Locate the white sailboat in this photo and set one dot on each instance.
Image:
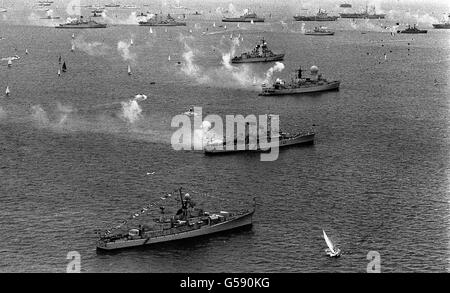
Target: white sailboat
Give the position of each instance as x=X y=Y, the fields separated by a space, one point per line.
x=131 y=42
x=168 y=59
x=59 y=72
x=9 y=62
x=151 y=31
x=26 y=51
x=2 y=8
x=73 y=36
x=73 y=48
x=129 y=70
x=332 y=250
x=7 y=92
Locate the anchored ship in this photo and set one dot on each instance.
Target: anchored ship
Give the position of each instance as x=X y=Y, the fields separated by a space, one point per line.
x=445 y=24
x=247 y=17
x=365 y=14
x=157 y=20
x=412 y=30
x=320 y=16
x=51 y=17
x=259 y=54
x=320 y=31
x=81 y=24
x=281 y=139
x=300 y=85
x=112 y=5
x=188 y=222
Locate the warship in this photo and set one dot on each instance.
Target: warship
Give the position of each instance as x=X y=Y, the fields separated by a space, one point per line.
x=412 y=30
x=445 y=24
x=300 y=85
x=157 y=20
x=188 y=222
x=81 y=24
x=247 y=17
x=281 y=139
x=112 y=5
x=259 y=54
x=51 y=17
x=364 y=15
x=320 y=31
x=320 y=16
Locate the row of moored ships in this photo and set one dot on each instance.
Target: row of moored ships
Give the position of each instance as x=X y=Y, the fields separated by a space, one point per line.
x=156 y=20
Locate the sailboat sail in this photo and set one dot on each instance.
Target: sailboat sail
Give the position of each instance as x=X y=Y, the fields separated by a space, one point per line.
x=129 y=70
x=7 y=92
x=64 y=67
x=328 y=241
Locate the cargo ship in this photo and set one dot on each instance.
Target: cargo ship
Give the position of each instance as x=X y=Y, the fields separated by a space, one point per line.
x=364 y=15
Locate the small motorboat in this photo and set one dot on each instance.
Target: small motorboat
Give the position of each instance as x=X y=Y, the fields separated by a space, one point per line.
x=332 y=250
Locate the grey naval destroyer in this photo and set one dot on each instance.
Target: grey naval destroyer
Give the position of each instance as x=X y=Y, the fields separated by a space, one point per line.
x=157 y=20
x=320 y=16
x=247 y=17
x=81 y=24
x=278 y=140
x=261 y=53
x=300 y=85
x=188 y=222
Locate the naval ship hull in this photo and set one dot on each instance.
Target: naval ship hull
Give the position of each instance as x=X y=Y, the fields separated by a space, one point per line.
x=242 y=19
x=319 y=33
x=278 y=57
x=413 y=32
x=301 y=90
x=442 y=25
x=162 y=24
x=301 y=139
x=81 y=26
x=237 y=222
x=362 y=15
x=315 y=18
